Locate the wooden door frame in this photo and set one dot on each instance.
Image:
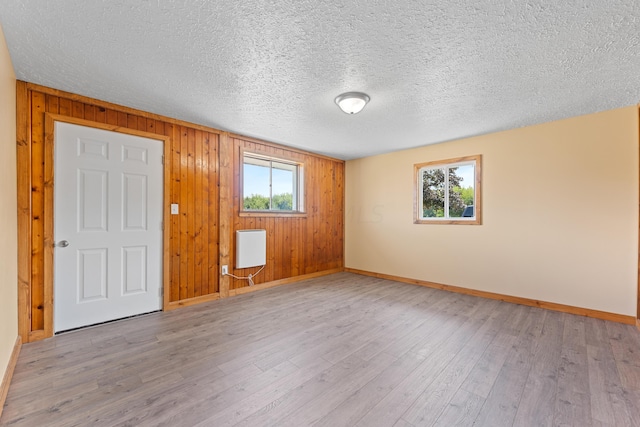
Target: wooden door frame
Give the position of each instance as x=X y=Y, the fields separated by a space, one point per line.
x=49 y=175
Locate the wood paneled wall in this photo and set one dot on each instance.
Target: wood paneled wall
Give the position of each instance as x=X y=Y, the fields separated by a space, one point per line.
x=296 y=244
x=202 y=170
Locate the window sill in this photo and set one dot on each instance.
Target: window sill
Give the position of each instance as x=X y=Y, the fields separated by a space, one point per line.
x=266 y=214
x=476 y=221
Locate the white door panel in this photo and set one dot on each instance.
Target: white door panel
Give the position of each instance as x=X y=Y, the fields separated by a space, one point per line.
x=108 y=206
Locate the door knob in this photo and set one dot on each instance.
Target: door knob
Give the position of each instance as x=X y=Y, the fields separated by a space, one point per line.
x=62 y=244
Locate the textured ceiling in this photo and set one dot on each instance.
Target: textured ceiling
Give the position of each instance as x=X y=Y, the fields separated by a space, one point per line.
x=435 y=70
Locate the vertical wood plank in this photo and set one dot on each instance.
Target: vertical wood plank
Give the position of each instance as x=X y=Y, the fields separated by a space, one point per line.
x=166 y=227
x=112 y=117
x=151 y=126
x=142 y=124
x=339 y=217
x=158 y=128
x=271 y=249
x=52 y=104
x=175 y=219
x=198 y=208
x=89 y=112
x=278 y=248
x=191 y=217
x=132 y=121
x=37 y=205
x=65 y=107
x=48 y=226
x=213 y=220
x=101 y=115
x=205 y=238
x=184 y=212
x=225 y=206
x=122 y=119
x=77 y=110
x=313 y=235
x=23 y=158
x=295 y=245
x=285 y=250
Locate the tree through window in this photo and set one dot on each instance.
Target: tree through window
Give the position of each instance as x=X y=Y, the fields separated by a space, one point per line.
x=448 y=191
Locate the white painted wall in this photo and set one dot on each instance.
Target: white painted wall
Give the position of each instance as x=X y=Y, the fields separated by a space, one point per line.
x=560 y=214
x=8 y=209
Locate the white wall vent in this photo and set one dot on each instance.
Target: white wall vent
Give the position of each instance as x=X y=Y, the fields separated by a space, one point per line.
x=251 y=248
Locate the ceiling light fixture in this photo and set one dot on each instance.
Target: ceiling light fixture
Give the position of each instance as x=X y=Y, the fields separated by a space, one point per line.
x=352 y=102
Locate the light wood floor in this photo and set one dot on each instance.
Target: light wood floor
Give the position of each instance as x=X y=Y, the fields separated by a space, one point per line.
x=343 y=350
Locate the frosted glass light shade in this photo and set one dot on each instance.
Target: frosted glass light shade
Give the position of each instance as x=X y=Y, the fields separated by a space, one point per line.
x=352 y=102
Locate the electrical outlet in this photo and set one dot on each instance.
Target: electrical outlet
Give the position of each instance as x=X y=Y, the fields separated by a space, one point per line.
x=225 y=270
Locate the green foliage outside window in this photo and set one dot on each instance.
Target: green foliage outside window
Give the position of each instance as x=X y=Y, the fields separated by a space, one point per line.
x=283 y=202
x=433 y=190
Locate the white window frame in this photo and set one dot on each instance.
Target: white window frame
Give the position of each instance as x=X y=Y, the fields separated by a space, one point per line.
x=297 y=192
x=419 y=168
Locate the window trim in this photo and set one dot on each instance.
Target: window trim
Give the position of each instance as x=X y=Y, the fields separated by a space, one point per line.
x=300 y=183
x=417 y=182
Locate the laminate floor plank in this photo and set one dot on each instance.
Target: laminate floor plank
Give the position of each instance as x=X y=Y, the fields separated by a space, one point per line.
x=608 y=401
x=503 y=401
x=625 y=352
x=244 y=408
x=339 y=350
x=342 y=373
x=325 y=403
x=462 y=410
x=359 y=403
x=573 y=403
x=429 y=405
x=538 y=402
x=483 y=375
x=213 y=400
x=437 y=357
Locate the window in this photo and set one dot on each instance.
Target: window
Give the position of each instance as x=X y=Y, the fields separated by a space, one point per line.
x=448 y=191
x=271 y=185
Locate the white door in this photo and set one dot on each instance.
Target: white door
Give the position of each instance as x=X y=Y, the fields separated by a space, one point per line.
x=107 y=225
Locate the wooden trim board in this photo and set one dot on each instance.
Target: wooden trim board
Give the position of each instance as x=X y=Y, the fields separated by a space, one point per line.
x=613 y=317
x=108 y=105
x=191 y=301
x=240 y=291
x=281 y=146
x=280 y=282
x=8 y=373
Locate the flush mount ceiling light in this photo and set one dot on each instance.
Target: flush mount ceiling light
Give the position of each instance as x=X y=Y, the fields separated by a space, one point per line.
x=352 y=102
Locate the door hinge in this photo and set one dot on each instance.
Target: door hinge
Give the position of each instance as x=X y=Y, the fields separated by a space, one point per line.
x=162 y=159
